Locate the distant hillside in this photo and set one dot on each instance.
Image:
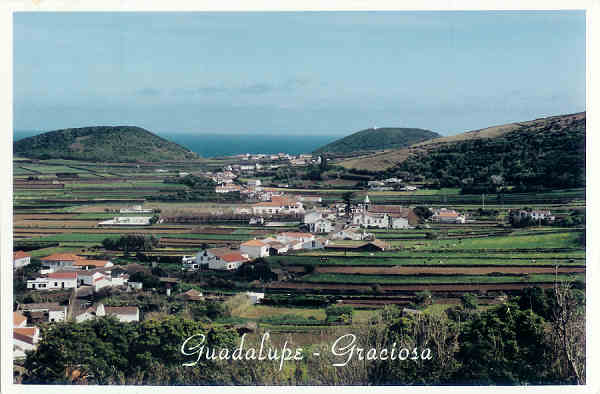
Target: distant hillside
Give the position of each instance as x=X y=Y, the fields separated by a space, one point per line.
x=386 y=160
x=378 y=139
x=102 y=143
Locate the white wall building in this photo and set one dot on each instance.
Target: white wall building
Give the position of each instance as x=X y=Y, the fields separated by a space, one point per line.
x=54 y=281
x=20 y=259
x=254 y=249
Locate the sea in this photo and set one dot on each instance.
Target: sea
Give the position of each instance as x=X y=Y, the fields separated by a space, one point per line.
x=215 y=145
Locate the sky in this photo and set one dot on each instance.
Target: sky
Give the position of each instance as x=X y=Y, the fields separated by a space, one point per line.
x=321 y=73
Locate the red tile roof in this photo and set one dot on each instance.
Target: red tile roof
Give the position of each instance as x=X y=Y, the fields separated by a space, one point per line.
x=219 y=251
x=25 y=334
x=62 y=257
x=95 y=263
x=18 y=319
x=63 y=275
x=19 y=254
x=253 y=242
x=233 y=257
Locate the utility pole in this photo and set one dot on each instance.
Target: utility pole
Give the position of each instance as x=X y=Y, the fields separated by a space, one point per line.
x=483 y=200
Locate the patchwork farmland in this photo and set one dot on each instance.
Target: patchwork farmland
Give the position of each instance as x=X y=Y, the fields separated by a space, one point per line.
x=59 y=204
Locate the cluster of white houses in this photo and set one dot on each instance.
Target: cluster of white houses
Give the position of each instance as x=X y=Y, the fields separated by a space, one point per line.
x=229 y=259
x=69 y=271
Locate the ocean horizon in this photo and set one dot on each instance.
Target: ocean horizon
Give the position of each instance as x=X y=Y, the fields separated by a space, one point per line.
x=215 y=145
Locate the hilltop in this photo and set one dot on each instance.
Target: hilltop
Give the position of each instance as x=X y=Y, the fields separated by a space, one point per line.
x=378 y=139
x=387 y=160
x=102 y=143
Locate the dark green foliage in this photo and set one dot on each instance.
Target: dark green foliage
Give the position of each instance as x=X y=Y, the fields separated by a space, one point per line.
x=104 y=351
x=339 y=314
x=199 y=189
x=503 y=346
x=469 y=301
x=102 y=143
x=528 y=159
x=260 y=269
x=194 y=182
x=148 y=281
x=131 y=243
x=291 y=319
x=423 y=297
x=422 y=212
x=376 y=139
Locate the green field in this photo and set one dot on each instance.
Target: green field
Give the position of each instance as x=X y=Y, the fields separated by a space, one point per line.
x=430 y=279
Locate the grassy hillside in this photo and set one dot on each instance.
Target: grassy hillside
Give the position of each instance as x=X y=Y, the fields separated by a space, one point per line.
x=102 y=143
x=378 y=139
x=386 y=160
x=532 y=157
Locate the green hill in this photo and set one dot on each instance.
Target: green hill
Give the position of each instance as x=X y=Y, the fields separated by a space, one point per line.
x=102 y=143
x=546 y=153
x=378 y=139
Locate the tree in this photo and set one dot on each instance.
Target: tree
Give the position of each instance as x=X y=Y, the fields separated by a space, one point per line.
x=469 y=301
x=347 y=197
x=568 y=331
x=504 y=345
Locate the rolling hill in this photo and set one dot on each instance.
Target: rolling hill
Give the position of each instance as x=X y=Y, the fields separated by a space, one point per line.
x=102 y=143
x=378 y=139
x=387 y=160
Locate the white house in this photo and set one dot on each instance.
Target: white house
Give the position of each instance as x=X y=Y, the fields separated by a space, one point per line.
x=135 y=209
x=399 y=222
x=127 y=221
x=255 y=298
x=321 y=226
x=124 y=314
x=254 y=249
x=51 y=311
x=278 y=205
x=228 y=262
x=287 y=237
x=25 y=338
x=444 y=215
x=98 y=280
x=370 y=219
x=53 y=281
x=58 y=261
x=217 y=259
x=20 y=259
x=92 y=264
x=350 y=233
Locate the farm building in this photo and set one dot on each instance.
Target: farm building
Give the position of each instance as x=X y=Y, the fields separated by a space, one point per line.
x=444 y=215
x=24 y=338
x=53 y=281
x=124 y=314
x=20 y=259
x=87 y=264
x=45 y=312
x=127 y=221
x=278 y=205
x=254 y=249
x=57 y=261
x=351 y=233
x=217 y=259
x=135 y=209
